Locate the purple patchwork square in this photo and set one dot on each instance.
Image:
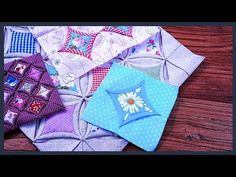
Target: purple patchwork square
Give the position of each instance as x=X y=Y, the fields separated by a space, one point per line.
x=11 y=81
x=19 y=101
x=19 y=68
x=35 y=73
x=35 y=96
x=27 y=86
x=43 y=92
x=10 y=117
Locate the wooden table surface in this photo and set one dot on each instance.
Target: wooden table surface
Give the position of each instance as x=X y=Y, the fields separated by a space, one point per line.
x=201 y=119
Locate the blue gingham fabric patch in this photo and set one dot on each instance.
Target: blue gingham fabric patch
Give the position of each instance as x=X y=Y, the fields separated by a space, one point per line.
x=22 y=43
x=133 y=105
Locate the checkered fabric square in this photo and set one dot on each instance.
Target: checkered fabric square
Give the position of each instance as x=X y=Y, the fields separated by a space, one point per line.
x=22 y=43
x=98 y=75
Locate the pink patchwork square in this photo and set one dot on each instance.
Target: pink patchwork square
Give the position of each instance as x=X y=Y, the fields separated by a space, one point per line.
x=98 y=75
x=79 y=43
x=36 y=106
x=19 y=101
x=124 y=30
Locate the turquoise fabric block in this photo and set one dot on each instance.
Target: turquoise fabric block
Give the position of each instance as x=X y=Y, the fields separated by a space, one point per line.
x=146 y=101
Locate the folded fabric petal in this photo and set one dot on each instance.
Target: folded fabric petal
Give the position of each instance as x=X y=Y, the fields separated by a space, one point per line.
x=134 y=105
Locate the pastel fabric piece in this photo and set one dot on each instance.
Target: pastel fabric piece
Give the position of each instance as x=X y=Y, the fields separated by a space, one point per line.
x=162 y=57
x=19 y=42
x=65 y=131
x=76 y=50
x=24 y=98
x=145 y=131
x=38 y=31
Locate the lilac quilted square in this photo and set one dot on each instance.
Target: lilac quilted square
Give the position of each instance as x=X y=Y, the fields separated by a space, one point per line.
x=29 y=92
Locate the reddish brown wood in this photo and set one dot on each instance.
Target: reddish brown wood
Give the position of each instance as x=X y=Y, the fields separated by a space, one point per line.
x=202 y=117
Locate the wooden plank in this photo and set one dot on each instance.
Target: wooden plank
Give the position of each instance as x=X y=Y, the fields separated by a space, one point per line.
x=17 y=141
x=197 y=125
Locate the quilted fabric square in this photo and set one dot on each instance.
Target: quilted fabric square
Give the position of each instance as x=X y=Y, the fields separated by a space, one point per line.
x=19 y=42
x=79 y=43
x=11 y=81
x=68 y=47
x=162 y=57
x=148 y=103
x=28 y=94
x=22 y=42
x=65 y=131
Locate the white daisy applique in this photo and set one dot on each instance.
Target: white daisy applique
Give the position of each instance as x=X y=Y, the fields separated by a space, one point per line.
x=132 y=105
x=130 y=102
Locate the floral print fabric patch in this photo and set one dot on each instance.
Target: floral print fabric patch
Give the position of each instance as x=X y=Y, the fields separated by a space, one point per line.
x=79 y=43
x=11 y=81
x=76 y=50
x=20 y=68
x=136 y=111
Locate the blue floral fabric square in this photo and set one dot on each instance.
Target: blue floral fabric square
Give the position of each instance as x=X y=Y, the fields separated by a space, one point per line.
x=11 y=81
x=133 y=105
x=79 y=42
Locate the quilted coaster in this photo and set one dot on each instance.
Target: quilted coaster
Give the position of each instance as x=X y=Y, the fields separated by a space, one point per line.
x=19 y=42
x=29 y=93
x=136 y=111
x=162 y=57
x=65 y=131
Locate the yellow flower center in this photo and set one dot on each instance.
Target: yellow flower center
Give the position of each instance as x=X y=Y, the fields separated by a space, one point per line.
x=130 y=101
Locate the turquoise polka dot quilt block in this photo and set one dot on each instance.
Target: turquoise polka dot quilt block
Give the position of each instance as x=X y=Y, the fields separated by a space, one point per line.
x=133 y=105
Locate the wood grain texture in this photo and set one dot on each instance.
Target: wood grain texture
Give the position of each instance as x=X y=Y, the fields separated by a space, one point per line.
x=201 y=119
